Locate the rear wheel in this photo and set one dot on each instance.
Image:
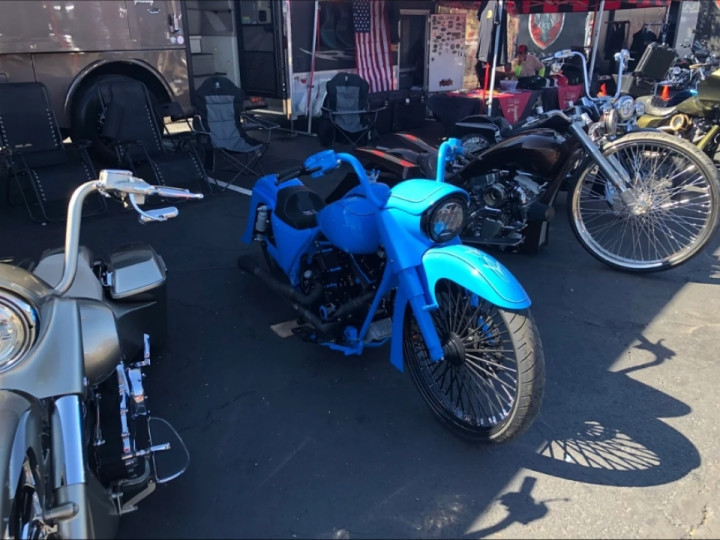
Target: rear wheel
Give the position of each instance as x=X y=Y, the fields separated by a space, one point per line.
x=490 y=384
x=677 y=192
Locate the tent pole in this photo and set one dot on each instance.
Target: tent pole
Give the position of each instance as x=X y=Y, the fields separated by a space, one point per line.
x=312 y=70
x=498 y=29
x=597 y=24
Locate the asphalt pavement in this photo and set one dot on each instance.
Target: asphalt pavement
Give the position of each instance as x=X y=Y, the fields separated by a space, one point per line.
x=292 y=440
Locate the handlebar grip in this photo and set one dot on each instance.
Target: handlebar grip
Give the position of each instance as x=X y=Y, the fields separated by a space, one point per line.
x=176 y=193
x=287 y=174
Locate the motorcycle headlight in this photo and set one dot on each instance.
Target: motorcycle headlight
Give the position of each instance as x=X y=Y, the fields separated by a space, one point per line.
x=625 y=107
x=18 y=326
x=639 y=108
x=446 y=219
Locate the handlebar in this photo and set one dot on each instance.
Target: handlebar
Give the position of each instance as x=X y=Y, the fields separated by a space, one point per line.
x=328 y=160
x=622 y=58
x=127 y=186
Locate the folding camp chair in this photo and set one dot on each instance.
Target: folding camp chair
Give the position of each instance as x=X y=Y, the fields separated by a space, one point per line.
x=219 y=108
x=133 y=126
x=346 y=112
x=42 y=170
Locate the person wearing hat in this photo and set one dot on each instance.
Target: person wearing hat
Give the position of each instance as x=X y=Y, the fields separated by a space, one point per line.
x=526 y=64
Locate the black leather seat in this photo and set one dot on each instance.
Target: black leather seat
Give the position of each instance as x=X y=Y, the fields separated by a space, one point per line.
x=298 y=206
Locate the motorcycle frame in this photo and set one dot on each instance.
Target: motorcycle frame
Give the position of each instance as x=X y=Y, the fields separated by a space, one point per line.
x=414 y=262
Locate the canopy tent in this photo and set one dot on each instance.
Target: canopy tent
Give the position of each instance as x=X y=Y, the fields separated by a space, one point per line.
x=522 y=7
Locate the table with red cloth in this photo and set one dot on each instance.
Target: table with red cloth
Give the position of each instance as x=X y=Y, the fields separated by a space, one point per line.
x=451 y=107
x=560 y=97
x=518 y=104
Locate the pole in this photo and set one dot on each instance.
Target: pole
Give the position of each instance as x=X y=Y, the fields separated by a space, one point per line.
x=312 y=69
x=498 y=28
x=597 y=24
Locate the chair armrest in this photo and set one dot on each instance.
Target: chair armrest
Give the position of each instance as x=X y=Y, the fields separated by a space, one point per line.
x=202 y=130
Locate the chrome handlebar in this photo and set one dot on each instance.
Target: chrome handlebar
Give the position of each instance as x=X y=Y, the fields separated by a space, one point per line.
x=128 y=188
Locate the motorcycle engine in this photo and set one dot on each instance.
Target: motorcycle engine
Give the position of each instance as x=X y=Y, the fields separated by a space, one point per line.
x=344 y=277
x=499 y=205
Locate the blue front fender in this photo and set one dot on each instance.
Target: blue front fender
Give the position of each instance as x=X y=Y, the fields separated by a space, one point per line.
x=477 y=272
x=468 y=267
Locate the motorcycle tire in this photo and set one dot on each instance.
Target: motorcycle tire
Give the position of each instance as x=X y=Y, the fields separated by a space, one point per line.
x=678 y=209
x=490 y=385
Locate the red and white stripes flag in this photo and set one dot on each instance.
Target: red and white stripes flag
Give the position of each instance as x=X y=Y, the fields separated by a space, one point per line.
x=372 y=44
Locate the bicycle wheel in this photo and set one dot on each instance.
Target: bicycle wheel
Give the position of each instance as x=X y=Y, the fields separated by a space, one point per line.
x=677 y=192
x=490 y=384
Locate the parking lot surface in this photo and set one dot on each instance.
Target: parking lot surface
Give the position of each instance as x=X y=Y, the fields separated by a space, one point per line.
x=291 y=440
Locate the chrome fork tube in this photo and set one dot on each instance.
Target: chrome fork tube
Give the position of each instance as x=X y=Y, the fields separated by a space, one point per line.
x=68 y=460
x=609 y=167
x=72 y=235
x=68 y=448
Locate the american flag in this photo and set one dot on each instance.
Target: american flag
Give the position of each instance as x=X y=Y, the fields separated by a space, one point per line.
x=372 y=43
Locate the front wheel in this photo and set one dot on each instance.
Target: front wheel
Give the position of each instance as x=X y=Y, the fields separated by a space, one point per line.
x=675 y=213
x=490 y=384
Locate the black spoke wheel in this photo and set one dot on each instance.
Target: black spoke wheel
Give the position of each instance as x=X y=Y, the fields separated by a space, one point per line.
x=676 y=213
x=490 y=384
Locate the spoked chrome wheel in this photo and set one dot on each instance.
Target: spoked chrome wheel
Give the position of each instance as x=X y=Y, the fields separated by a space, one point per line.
x=489 y=385
x=675 y=215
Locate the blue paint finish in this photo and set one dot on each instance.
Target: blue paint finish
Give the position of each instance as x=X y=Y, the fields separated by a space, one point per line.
x=416 y=196
x=476 y=271
x=351 y=223
x=264 y=192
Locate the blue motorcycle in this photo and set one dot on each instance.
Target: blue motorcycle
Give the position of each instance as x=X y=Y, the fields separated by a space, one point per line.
x=380 y=264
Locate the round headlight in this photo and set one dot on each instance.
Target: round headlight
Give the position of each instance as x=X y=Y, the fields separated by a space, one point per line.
x=625 y=107
x=639 y=108
x=18 y=325
x=446 y=219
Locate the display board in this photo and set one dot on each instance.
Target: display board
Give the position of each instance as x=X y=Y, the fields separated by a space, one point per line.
x=446 y=51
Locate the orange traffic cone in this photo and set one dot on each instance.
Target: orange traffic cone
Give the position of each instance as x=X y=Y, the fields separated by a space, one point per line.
x=665 y=94
x=603 y=90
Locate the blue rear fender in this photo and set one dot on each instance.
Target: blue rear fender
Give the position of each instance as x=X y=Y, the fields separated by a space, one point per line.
x=264 y=192
x=468 y=267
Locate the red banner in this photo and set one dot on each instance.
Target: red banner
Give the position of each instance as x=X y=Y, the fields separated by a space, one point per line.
x=513 y=105
x=568 y=94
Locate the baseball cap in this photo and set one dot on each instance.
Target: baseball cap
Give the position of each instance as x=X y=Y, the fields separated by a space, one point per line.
x=522 y=49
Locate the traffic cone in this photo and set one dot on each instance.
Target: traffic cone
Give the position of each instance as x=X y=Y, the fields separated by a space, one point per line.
x=665 y=94
x=603 y=90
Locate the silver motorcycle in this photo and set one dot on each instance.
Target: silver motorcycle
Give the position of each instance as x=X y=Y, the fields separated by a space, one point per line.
x=78 y=445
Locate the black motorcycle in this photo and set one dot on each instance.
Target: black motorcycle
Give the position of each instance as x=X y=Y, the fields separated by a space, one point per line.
x=642 y=202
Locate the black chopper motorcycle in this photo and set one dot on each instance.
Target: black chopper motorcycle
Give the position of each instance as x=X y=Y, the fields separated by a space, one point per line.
x=645 y=201
x=78 y=446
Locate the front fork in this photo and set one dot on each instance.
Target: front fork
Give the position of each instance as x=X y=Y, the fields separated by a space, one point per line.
x=411 y=283
x=609 y=166
x=68 y=455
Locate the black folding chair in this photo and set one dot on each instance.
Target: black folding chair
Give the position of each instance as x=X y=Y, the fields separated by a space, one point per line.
x=346 y=112
x=220 y=114
x=133 y=126
x=42 y=169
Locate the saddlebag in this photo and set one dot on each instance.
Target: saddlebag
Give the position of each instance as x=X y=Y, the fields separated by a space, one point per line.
x=135 y=280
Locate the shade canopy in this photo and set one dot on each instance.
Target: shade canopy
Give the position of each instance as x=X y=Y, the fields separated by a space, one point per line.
x=519 y=7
